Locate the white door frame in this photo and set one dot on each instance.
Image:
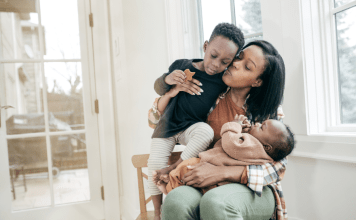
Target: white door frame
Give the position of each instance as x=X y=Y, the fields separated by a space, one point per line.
x=98 y=42
x=106 y=117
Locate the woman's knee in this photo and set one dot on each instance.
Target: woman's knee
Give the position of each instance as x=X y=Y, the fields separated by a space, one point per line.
x=212 y=205
x=236 y=201
x=173 y=204
x=181 y=203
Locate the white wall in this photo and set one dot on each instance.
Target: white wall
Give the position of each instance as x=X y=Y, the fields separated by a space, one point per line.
x=321 y=171
x=139 y=27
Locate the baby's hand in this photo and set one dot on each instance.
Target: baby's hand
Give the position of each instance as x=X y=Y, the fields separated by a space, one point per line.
x=240 y=119
x=243 y=121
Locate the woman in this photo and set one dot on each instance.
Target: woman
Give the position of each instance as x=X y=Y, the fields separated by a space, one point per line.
x=256 y=79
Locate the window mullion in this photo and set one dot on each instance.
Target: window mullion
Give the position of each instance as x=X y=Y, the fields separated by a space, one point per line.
x=45 y=105
x=333 y=74
x=329 y=58
x=201 y=28
x=233 y=13
x=343 y=7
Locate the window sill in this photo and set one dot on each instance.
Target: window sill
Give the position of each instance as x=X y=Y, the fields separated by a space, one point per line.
x=343 y=159
x=329 y=137
x=327 y=146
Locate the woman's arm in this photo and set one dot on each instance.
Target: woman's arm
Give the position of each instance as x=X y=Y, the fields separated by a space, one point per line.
x=161 y=87
x=254 y=176
x=175 y=76
x=205 y=174
x=190 y=87
x=257 y=176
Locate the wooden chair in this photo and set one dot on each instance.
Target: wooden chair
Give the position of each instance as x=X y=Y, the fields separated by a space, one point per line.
x=140 y=161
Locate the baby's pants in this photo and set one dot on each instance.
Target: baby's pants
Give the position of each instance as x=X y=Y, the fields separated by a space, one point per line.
x=196 y=138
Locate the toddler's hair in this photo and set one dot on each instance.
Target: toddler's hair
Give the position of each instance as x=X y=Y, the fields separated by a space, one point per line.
x=284 y=146
x=231 y=32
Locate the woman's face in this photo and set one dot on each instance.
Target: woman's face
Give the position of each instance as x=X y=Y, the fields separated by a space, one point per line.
x=245 y=71
x=219 y=53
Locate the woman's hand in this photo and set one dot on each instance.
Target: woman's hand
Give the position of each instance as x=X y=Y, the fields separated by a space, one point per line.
x=206 y=174
x=203 y=175
x=190 y=87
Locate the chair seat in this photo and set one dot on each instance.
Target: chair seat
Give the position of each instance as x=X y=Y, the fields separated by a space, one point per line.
x=146 y=216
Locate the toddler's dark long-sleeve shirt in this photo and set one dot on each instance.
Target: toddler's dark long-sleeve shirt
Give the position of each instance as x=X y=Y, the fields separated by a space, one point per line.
x=184 y=109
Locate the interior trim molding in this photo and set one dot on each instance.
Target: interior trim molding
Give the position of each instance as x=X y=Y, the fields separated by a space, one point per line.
x=326 y=157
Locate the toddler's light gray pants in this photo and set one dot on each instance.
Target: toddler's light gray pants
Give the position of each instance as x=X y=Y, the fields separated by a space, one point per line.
x=196 y=138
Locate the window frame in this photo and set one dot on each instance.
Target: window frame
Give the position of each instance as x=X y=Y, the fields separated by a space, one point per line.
x=336 y=123
x=320 y=60
x=233 y=21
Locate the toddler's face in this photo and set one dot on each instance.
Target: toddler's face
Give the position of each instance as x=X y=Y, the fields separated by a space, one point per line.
x=268 y=132
x=219 y=53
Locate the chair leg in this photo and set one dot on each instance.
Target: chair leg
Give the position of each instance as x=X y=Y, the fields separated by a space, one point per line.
x=24 y=178
x=12 y=183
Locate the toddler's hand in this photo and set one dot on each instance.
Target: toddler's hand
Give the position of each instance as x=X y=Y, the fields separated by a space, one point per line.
x=176 y=77
x=187 y=87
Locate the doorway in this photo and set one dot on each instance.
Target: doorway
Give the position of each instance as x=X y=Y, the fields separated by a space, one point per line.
x=49 y=154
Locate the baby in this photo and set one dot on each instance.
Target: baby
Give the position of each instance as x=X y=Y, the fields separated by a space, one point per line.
x=264 y=143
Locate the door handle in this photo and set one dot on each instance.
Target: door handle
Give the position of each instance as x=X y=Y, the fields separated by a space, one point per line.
x=4 y=107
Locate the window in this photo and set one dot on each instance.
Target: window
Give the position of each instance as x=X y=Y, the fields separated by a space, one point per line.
x=329 y=31
x=245 y=14
x=345 y=28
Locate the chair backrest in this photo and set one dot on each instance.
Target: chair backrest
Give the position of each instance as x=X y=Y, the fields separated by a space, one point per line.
x=140 y=161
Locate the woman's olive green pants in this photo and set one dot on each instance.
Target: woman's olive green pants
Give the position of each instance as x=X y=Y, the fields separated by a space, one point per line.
x=231 y=201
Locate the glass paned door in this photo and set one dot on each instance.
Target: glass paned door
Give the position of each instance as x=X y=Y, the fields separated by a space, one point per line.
x=49 y=147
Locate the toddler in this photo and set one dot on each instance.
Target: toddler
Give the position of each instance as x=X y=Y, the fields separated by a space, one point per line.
x=183 y=118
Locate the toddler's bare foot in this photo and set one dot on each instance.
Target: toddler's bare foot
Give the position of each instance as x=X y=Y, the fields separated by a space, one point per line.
x=162 y=187
x=157 y=217
x=165 y=178
x=155 y=178
x=156 y=175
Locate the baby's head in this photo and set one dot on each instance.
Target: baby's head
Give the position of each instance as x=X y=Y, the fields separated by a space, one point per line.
x=276 y=138
x=224 y=44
